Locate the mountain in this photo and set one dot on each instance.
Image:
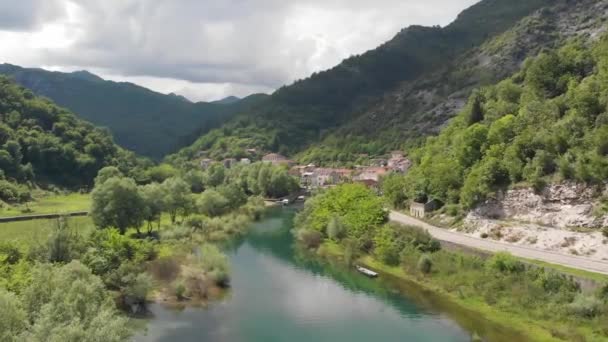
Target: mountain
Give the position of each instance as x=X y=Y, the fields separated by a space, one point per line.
x=46 y=145
x=407 y=88
x=228 y=100
x=144 y=121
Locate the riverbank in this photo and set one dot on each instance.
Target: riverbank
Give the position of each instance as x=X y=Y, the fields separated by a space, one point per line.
x=532 y=329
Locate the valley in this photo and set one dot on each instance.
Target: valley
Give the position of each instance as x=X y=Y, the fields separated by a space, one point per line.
x=464 y=165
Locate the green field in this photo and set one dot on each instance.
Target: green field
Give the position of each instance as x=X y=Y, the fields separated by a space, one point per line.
x=29 y=232
x=49 y=205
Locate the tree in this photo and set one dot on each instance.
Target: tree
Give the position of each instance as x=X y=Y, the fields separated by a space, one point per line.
x=118 y=203
x=153 y=196
x=212 y=203
x=69 y=303
x=107 y=173
x=178 y=198
x=195 y=178
x=281 y=183
x=13 y=319
x=161 y=173
x=215 y=175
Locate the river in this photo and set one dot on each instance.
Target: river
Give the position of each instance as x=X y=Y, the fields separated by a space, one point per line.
x=280 y=294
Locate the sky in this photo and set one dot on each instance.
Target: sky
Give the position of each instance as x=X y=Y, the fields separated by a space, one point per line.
x=202 y=49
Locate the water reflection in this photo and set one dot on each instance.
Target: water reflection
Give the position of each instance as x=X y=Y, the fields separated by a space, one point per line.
x=281 y=295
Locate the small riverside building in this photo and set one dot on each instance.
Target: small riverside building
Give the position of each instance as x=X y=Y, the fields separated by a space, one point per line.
x=420 y=210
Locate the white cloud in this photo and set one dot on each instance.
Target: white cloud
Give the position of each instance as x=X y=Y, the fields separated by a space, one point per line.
x=206 y=49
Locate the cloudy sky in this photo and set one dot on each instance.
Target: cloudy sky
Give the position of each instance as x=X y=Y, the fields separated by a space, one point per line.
x=205 y=49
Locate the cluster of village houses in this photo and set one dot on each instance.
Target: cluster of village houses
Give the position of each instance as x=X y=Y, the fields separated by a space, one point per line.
x=313 y=177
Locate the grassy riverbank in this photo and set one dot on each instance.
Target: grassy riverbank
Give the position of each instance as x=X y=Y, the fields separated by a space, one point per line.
x=540 y=301
x=505 y=311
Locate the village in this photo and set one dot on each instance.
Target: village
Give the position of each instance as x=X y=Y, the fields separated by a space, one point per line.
x=313 y=177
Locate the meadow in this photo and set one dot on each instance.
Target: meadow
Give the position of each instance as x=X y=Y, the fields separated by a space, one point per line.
x=49 y=205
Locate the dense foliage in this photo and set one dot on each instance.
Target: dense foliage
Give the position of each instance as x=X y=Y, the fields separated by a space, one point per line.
x=146 y=122
x=43 y=144
x=548 y=120
x=359 y=210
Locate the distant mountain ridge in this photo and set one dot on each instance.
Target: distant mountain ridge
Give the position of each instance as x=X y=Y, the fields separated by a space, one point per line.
x=332 y=104
x=147 y=122
x=227 y=100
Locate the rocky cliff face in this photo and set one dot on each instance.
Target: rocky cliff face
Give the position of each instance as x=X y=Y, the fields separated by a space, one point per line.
x=564 y=205
x=563 y=218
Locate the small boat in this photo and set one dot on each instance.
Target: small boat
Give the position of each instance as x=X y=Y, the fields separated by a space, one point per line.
x=366 y=271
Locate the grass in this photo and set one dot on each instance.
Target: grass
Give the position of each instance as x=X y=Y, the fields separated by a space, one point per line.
x=602 y=278
x=50 y=205
x=530 y=323
x=34 y=231
x=518 y=323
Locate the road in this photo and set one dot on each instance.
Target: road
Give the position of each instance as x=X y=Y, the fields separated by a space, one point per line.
x=494 y=246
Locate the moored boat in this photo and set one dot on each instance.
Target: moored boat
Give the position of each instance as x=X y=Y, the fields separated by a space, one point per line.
x=366 y=271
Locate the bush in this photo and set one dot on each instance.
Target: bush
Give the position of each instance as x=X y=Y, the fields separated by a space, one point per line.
x=425 y=264
x=310 y=238
x=504 y=263
x=585 y=306
x=335 y=229
x=215 y=264
x=180 y=291
x=9 y=253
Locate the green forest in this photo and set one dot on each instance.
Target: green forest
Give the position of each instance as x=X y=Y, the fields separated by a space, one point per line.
x=44 y=145
x=548 y=122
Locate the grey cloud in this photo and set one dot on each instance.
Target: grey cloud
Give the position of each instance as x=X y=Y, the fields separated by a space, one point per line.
x=24 y=15
x=257 y=43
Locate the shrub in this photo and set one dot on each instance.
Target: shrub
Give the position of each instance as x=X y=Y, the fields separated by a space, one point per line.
x=180 y=291
x=585 y=306
x=335 y=229
x=425 y=264
x=9 y=253
x=505 y=263
x=310 y=238
x=605 y=232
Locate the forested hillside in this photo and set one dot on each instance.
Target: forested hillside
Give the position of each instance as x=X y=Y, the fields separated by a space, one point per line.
x=308 y=110
x=548 y=122
x=146 y=122
x=43 y=144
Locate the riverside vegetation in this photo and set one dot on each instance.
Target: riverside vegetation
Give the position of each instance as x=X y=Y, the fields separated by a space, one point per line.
x=157 y=240
x=349 y=221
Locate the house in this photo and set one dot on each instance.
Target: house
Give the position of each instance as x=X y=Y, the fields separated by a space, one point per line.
x=205 y=163
x=420 y=210
x=398 y=162
x=251 y=150
x=277 y=159
x=371 y=173
x=245 y=161
x=322 y=177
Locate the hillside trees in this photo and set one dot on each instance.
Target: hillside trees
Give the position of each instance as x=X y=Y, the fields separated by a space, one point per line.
x=44 y=144
x=547 y=119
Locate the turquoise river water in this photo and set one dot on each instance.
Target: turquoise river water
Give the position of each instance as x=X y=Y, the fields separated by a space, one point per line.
x=280 y=294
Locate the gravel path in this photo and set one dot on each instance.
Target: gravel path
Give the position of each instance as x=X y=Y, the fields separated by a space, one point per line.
x=494 y=246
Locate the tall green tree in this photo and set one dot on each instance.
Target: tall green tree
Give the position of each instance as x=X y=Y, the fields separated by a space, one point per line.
x=117 y=203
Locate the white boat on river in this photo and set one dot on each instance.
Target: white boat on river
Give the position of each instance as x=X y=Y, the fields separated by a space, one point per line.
x=366 y=271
